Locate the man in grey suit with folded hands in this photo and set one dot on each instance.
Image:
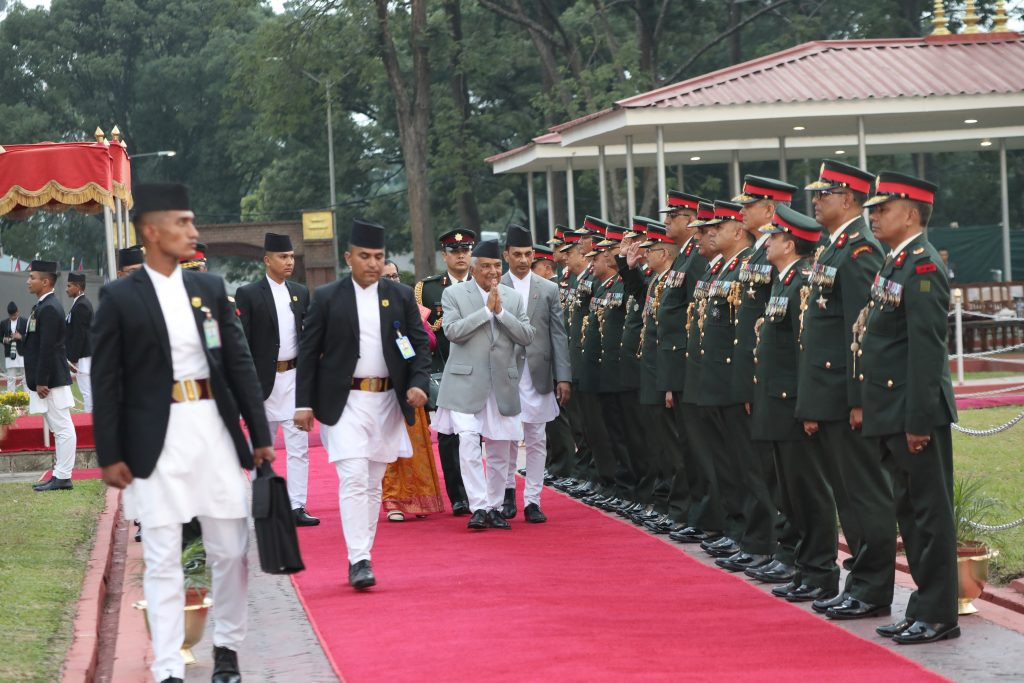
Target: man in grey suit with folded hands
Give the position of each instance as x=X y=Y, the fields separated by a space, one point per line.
x=479 y=395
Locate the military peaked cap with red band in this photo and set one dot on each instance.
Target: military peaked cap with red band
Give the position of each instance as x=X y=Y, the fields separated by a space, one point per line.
x=196 y=260
x=657 y=233
x=756 y=188
x=726 y=211
x=458 y=238
x=592 y=226
x=681 y=200
x=795 y=223
x=705 y=212
x=892 y=186
x=612 y=235
x=640 y=224
x=542 y=253
x=835 y=174
x=559 y=237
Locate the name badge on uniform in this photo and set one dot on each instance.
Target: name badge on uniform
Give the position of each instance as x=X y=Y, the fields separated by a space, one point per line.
x=404 y=345
x=32 y=325
x=211 y=332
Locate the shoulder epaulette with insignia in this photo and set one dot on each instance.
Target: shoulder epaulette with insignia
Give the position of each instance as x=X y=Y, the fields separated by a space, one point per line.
x=900 y=258
x=231 y=299
x=841 y=240
x=432 y=278
x=732 y=264
x=789 y=276
x=689 y=248
x=715 y=268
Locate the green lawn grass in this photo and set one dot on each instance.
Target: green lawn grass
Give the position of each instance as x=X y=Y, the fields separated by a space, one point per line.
x=44 y=547
x=997 y=461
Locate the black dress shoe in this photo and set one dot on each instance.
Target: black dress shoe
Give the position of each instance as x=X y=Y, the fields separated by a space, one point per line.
x=890 y=630
x=821 y=606
x=805 y=593
x=533 y=514
x=725 y=550
x=53 y=484
x=742 y=561
x=752 y=572
x=522 y=471
x=778 y=574
x=852 y=608
x=712 y=542
x=478 y=520
x=496 y=521
x=360 y=575
x=225 y=665
x=688 y=535
x=923 y=632
x=303 y=518
x=460 y=508
x=508 y=507
x=785 y=589
x=138 y=531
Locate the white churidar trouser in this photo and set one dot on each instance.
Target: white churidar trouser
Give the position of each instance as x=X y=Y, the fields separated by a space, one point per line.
x=296 y=443
x=536 y=438
x=85 y=382
x=359 y=491
x=484 y=491
x=226 y=542
x=56 y=410
x=15 y=377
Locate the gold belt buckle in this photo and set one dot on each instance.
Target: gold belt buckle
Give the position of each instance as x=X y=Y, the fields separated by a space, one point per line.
x=191 y=390
x=371 y=384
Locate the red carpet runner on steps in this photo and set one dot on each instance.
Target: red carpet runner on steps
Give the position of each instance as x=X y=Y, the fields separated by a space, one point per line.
x=581 y=598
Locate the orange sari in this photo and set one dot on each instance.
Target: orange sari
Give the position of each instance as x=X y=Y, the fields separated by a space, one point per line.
x=411 y=485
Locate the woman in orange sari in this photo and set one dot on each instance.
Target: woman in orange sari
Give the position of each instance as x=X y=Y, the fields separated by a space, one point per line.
x=411 y=486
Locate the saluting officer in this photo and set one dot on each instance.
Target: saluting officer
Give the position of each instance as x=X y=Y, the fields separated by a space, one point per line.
x=456 y=247
x=829 y=400
x=908 y=400
x=792 y=238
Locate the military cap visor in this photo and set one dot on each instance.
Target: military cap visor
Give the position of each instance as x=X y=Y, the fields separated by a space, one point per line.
x=795 y=223
x=705 y=212
x=836 y=174
x=681 y=200
x=725 y=211
x=454 y=240
x=542 y=253
x=757 y=188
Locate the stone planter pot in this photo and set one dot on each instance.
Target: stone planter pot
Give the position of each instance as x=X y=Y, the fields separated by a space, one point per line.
x=197 y=605
x=972 y=569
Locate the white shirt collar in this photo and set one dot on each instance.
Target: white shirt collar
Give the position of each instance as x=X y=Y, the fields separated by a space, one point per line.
x=366 y=291
x=514 y=277
x=761 y=240
x=45 y=295
x=834 y=236
x=782 y=273
x=689 y=239
x=716 y=259
x=455 y=279
x=153 y=275
x=283 y=285
x=902 y=245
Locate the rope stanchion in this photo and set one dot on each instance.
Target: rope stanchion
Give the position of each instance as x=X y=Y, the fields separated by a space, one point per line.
x=992 y=430
x=993 y=392
x=1004 y=349
x=994 y=527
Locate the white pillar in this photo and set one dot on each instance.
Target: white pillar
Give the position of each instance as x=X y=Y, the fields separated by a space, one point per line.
x=734 y=173
x=782 y=158
x=551 y=199
x=1004 y=190
x=531 y=203
x=570 y=192
x=862 y=149
x=601 y=182
x=630 y=180
x=662 y=183
x=958 y=310
x=108 y=229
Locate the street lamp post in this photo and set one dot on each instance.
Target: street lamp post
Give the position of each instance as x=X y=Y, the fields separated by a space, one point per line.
x=330 y=169
x=161 y=153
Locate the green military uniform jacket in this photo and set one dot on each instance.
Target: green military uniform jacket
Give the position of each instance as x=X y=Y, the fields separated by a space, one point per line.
x=778 y=353
x=611 y=323
x=428 y=293
x=634 y=283
x=590 y=339
x=755 y=276
x=696 y=307
x=719 y=332
x=670 y=317
x=904 y=364
x=577 y=306
x=648 y=353
x=840 y=283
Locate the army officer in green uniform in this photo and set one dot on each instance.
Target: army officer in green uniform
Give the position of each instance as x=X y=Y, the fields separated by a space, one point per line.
x=908 y=400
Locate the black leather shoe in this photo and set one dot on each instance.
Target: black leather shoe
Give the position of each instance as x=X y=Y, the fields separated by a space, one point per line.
x=852 y=608
x=521 y=471
x=752 y=572
x=890 y=630
x=784 y=590
x=303 y=518
x=712 y=542
x=805 y=593
x=724 y=550
x=781 y=573
x=741 y=561
x=360 y=575
x=225 y=665
x=923 y=632
x=533 y=514
x=138 y=531
x=496 y=521
x=821 y=606
x=688 y=535
x=610 y=504
x=478 y=520
x=53 y=484
x=460 y=508
x=508 y=507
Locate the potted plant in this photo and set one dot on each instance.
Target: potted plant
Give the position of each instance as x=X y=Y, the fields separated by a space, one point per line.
x=18 y=400
x=8 y=415
x=971 y=506
x=197 y=604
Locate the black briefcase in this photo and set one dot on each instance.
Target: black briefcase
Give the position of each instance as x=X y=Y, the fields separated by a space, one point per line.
x=276 y=539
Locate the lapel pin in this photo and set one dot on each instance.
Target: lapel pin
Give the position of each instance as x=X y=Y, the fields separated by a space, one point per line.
x=196 y=302
x=385 y=303
x=295 y=298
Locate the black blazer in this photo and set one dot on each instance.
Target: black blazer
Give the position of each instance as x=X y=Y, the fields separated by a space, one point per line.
x=329 y=347
x=258 y=314
x=46 y=363
x=132 y=372
x=79 y=321
x=21 y=325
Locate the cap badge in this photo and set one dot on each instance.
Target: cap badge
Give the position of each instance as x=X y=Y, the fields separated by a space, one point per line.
x=458 y=237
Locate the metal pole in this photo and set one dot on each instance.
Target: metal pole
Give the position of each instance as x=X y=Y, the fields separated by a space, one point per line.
x=958 y=309
x=1004 y=189
x=662 y=182
x=551 y=200
x=570 y=192
x=531 y=203
x=119 y=230
x=735 y=173
x=679 y=178
x=601 y=179
x=330 y=170
x=630 y=180
x=108 y=229
x=862 y=148
x=782 y=158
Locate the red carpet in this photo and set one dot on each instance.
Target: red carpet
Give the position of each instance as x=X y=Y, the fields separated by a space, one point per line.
x=583 y=597
x=27 y=433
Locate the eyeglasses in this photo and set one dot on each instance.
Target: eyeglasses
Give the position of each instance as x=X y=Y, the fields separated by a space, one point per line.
x=829 y=193
x=393 y=276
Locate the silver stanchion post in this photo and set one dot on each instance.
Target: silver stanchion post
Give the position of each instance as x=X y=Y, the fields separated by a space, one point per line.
x=958 y=312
